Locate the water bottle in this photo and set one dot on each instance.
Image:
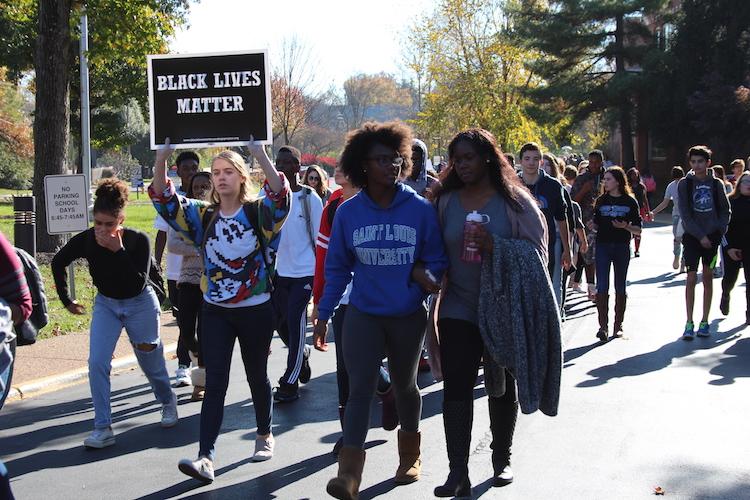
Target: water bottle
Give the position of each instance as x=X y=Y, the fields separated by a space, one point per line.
x=474 y=220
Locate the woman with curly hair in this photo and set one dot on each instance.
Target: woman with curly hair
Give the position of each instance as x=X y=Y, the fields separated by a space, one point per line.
x=478 y=178
x=616 y=220
x=383 y=232
x=316 y=178
x=119 y=260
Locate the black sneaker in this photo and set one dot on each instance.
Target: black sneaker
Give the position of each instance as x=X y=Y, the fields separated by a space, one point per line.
x=305 y=373
x=724 y=304
x=286 y=393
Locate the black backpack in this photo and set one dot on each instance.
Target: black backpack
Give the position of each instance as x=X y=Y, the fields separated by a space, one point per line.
x=27 y=331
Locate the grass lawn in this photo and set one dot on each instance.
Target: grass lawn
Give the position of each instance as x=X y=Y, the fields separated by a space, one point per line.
x=139 y=215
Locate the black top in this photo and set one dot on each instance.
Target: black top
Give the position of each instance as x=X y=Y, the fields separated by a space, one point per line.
x=548 y=193
x=738 y=235
x=118 y=275
x=609 y=208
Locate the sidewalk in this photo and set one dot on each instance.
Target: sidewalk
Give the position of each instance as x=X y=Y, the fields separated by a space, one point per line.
x=57 y=362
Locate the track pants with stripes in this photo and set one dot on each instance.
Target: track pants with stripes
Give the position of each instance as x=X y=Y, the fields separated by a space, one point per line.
x=290 y=299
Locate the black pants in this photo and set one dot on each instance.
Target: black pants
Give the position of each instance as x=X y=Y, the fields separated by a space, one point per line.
x=290 y=299
x=732 y=271
x=190 y=321
x=253 y=328
x=461 y=351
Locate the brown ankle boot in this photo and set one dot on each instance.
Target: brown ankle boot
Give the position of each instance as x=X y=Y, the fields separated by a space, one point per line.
x=410 y=461
x=621 y=301
x=345 y=486
x=602 y=308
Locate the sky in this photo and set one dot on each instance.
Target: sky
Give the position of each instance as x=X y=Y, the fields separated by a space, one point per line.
x=345 y=37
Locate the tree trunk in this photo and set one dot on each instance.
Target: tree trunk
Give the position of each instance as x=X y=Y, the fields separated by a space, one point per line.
x=52 y=107
x=627 y=156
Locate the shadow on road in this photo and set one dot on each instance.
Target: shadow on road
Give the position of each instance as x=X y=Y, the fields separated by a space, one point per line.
x=731 y=368
x=659 y=359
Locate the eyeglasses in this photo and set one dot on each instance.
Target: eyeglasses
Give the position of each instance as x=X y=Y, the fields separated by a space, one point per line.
x=311 y=178
x=387 y=160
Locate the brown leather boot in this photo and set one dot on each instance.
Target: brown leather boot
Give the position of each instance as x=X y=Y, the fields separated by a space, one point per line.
x=621 y=301
x=602 y=308
x=345 y=486
x=410 y=461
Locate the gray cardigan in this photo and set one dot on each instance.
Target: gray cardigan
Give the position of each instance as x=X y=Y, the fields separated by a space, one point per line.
x=520 y=323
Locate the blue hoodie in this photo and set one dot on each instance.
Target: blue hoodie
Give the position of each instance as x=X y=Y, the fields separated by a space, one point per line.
x=380 y=246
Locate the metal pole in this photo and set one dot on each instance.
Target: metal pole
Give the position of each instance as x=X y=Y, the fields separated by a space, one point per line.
x=85 y=118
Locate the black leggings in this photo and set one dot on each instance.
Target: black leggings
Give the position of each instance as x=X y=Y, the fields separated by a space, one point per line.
x=461 y=351
x=732 y=271
x=190 y=303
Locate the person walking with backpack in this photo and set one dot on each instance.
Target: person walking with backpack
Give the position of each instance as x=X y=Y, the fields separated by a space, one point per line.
x=639 y=193
x=295 y=268
x=190 y=296
x=671 y=194
x=379 y=236
x=236 y=233
x=705 y=213
x=737 y=247
x=119 y=260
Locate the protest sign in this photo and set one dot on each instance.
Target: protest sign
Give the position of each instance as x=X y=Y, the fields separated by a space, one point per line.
x=201 y=100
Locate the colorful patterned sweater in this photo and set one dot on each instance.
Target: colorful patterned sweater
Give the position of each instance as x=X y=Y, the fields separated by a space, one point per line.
x=235 y=274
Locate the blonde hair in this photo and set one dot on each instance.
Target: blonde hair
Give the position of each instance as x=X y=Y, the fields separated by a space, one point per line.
x=246 y=188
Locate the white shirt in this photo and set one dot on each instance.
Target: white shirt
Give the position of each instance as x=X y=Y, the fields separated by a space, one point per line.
x=174 y=261
x=295 y=257
x=671 y=193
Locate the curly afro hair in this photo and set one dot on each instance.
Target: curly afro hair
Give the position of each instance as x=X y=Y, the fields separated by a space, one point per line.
x=360 y=142
x=111 y=196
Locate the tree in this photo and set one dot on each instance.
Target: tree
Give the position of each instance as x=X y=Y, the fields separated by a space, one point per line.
x=293 y=93
x=700 y=85
x=16 y=138
x=587 y=48
x=362 y=92
x=471 y=74
x=122 y=33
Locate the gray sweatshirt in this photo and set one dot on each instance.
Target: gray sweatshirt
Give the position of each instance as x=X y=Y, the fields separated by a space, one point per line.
x=702 y=215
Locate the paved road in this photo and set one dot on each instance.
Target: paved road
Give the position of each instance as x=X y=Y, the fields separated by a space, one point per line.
x=648 y=411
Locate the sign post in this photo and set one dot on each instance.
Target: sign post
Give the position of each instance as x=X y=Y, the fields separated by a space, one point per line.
x=205 y=100
x=66 y=199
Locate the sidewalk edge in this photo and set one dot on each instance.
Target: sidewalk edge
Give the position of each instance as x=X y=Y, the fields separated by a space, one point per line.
x=53 y=383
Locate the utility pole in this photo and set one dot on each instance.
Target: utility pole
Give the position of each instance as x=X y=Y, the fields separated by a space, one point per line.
x=85 y=111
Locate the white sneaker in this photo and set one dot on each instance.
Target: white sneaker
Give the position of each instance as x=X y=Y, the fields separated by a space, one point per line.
x=263 y=448
x=201 y=469
x=169 y=413
x=182 y=376
x=100 y=438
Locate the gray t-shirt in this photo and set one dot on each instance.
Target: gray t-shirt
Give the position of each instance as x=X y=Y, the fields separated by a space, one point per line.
x=461 y=299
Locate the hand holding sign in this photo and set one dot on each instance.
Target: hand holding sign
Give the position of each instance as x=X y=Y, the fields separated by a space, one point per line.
x=164 y=152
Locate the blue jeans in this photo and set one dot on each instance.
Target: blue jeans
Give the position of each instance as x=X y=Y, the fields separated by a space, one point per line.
x=140 y=318
x=253 y=328
x=615 y=255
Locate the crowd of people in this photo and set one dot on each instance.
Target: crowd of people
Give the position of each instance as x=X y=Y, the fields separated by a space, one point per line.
x=398 y=258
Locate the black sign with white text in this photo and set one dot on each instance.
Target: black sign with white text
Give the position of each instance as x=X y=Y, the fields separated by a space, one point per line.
x=201 y=100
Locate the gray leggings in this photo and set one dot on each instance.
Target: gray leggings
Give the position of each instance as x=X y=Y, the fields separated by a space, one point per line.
x=368 y=339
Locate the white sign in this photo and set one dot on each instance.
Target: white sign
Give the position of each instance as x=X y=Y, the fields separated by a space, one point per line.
x=136 y=180
x=65 y=197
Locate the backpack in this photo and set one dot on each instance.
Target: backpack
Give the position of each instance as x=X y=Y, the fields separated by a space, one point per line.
x=209 y=219
x=156 y=280
x=307 y=212
x=27 y=331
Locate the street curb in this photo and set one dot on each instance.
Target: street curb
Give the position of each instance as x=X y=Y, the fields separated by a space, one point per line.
x=56 y=382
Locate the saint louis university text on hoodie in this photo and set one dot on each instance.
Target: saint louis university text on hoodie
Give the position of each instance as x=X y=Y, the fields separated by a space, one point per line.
x=380 y=246
x=705 y=210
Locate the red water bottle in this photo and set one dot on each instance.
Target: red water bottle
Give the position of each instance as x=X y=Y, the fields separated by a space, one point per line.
x=471 y=253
